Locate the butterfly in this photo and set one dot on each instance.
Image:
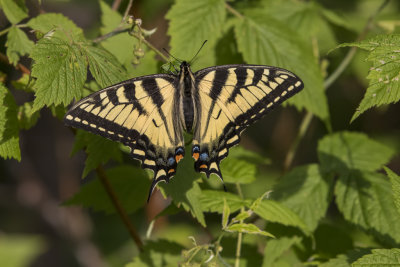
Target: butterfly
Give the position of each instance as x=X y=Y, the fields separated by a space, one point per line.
x=149 y=114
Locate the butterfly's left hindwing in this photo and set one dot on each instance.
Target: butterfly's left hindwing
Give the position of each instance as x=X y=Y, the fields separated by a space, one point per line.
x=229 y=99
x=140 y=114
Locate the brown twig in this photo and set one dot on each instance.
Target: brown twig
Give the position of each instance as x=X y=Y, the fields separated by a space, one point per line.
x=121 y=211
x=19 y=66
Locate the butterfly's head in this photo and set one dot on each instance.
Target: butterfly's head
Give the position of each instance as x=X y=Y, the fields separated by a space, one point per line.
x=185 y=66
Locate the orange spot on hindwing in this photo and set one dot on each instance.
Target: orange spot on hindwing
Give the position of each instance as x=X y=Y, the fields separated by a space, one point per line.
x=178 y=158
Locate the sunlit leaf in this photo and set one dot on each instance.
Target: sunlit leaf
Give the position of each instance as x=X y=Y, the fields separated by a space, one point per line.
x=350 y=150
x=365 y=199
x=60 y=69
x=305 y=191
x=384 y=75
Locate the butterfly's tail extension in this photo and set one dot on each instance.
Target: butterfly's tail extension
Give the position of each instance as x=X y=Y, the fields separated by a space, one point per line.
x=153 y=185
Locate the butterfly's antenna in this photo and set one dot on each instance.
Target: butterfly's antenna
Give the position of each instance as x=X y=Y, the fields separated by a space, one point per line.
x=198 y=51
x=166 y=51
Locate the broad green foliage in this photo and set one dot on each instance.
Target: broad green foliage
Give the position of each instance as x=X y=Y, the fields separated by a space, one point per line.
x=98 y=149
x=275 y=248
x=56 y=25
x=60 y=70
x=193 y=22
x=384 y=75
x=158 y=253
x=213 y=201
x=359 y=193
x=380 y=257
x=104 y=67
x=272 y=211
x=9 y=132
x=128 y=183
x=345 y=151
x=305 y=190
x=395 y=181
x=14 y=10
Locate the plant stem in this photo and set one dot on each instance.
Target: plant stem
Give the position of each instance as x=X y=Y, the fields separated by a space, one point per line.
x=233 y=11
x=128 y=8
x=121 y=212
x=152 y=47
x=305 y=124
x=240 y=235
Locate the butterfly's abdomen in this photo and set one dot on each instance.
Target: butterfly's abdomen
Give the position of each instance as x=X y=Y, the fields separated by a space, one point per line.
x=188 y=112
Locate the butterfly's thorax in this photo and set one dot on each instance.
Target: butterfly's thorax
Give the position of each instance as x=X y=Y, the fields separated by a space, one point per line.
x=186 y=88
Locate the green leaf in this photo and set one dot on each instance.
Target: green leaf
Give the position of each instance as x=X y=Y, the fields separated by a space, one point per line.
x=264 y=40
x=247 y=228
x=306 y=192
x=380 y=257
x=346 y=260
x=184 y=188
x=250 y=156
x=395 y=181
x=9 y=132
x=60 y=70
x=213 y=201
x=120 y=45
x=273 y=211
x=307 y=19
x=24 y=83
x=17 y=45
x=350 y=150
x=276 y=247
x=225 y=214
x=365 y=199
x=99 y=150
x=104 y=67
x=14 y=10
x=193 y=22
x=238 y=171
x=20 y=250
x=129 y=183
x=63 y=27
x=384 y=75
x=26 y=117
x=242 y=215
x=158 y=253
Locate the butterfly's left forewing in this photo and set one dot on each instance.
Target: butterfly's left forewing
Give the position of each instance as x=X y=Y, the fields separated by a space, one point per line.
x=230 y=98
x=142 y=113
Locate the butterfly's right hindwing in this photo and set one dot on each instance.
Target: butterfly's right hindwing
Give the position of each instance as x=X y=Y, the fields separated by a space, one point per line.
x=141 y=113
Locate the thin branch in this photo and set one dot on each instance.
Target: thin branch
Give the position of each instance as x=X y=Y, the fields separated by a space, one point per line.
x=233 y=11
x=114 y=32
x=305 y=124
x=121 y=212
x=240 y=234
x=19 y=66
x=152 y=47
x=6 y=30
x=116 y=4
x=128 y=8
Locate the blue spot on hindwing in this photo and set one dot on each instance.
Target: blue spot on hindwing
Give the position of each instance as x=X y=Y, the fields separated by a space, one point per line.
x=204 y=156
